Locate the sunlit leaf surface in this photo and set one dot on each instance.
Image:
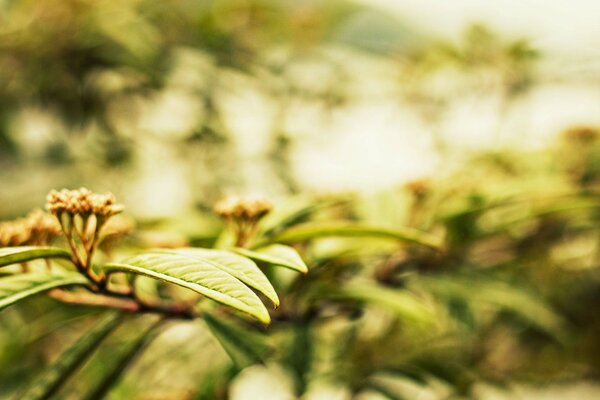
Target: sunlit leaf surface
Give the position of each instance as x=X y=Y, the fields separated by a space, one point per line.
x=18 y=287
x=199 y=275
x=277 y=254
x=14 y=255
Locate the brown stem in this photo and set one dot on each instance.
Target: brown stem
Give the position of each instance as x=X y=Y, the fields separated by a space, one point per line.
x=75 y=255
x=244 y=230
x=124 y=304
x=94 y=300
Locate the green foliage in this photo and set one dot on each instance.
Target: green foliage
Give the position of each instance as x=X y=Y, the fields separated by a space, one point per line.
x=123 y=361
x=193 y=270
x=241 y=268
x=314 y=231
x=487 y=276
x=405 y=304
x=243 y=346
x=14 y=255
x=56 y=375
x=276 y=254
x=15 y=288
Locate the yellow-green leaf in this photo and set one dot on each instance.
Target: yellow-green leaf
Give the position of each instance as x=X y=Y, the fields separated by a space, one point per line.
x=276 y=254
x=68 y=362
x=198 y=275
x=404 y=303
x=244 y=347
x=21 y=286
x=240 y=267
x=15 y=255
x=314 y=231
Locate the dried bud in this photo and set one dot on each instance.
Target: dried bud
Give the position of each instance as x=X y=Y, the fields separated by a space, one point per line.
x=43 y=227
x=13 y=233
x=244 y=209
x=35 y=229
x=244 y=214
x=582 y=134
x=419 y=187
x=82 y=202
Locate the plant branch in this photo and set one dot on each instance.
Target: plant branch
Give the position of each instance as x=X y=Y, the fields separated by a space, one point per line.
x=126 y=302
x=91 y=299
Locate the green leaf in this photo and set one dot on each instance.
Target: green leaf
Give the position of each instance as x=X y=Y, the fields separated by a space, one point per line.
x=403 y=302
x=291 y=213
x=276 y=254
x=240 y=267
x=15 y=255
x=56 y=375
x=315 y=231
x=21 y=286
x=384 y=391
x=123 y=361
x=243 y=346
x=198 y=275
x=502 y=296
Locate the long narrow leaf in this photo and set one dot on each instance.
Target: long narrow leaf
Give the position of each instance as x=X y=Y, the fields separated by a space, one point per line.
x=244 y=347
x=240 y=267
x=315 y=231
x=125 y=360
x=406 y=304
x=276 y=254
x=501 y=296
x=292 y=213
x=200 y=276
x=15 y=255
x=18 y=287
x=57 y=374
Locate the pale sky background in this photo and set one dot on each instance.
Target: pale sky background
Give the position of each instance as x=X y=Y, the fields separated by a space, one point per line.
x=562 y=26
x=374 y=143
x=377 y=146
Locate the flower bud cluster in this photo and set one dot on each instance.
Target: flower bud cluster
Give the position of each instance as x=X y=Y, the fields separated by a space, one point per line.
x=419 y=188
x=82 y=214
x=245 y=209
x=82 y=202
x=243 y=214
x=36 y=228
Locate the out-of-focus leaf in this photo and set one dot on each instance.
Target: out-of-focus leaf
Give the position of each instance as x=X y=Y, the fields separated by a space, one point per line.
x=502 y=296
x=301 y=354
x=384 y=391
x=125 y=359
x=14 y=255
x=21 y=286
x=240 y=267
x=276 y=254
x=244 y=347
x=68 y=362
x=294 y=212
x=406 y=304
x=215 y=383
x=315 y=231
x=199 y=275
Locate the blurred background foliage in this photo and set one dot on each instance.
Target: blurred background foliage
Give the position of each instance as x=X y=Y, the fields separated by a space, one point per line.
x=341 y=112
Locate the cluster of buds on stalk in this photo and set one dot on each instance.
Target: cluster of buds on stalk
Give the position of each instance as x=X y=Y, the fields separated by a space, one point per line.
x=584 y=135
x=37 y=228
x=419 y=188
x=243 y=214
x=81 y=215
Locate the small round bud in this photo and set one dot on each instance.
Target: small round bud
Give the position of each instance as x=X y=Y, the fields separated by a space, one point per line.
x=246 y=209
